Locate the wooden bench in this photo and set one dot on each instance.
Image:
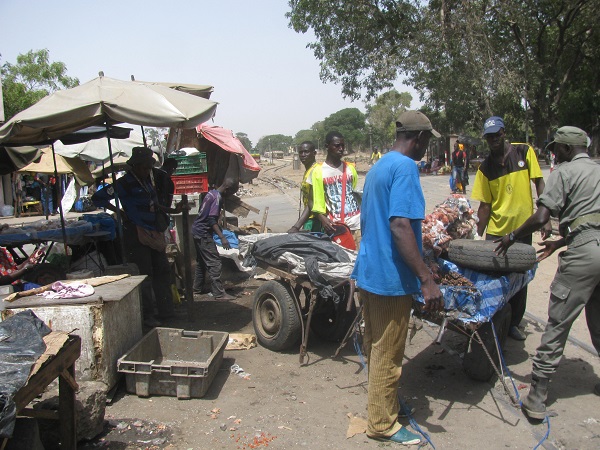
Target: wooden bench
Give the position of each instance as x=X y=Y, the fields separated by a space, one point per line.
x=32 y=208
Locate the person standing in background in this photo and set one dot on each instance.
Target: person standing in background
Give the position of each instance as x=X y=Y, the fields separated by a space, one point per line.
x=307 y=222
x=206 y=224
x=460 y=162
x=334 y=185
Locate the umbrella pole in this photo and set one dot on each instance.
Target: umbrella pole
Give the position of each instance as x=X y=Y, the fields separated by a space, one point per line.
x=60 y=209
x=117 y=205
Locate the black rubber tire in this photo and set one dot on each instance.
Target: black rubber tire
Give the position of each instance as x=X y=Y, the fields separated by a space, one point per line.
x=45 y=273
x=275 y=316
x=332 y=321
x=475 y=362
x=481 y=256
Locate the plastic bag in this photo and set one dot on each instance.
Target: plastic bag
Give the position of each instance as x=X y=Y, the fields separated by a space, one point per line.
x=69 y=198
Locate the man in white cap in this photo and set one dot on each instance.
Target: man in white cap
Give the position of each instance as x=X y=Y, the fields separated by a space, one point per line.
x=573 y=195
x=503 y=188
x=389 y=269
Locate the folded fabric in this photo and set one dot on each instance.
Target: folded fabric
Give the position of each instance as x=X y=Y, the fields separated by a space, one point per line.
x=72 y=290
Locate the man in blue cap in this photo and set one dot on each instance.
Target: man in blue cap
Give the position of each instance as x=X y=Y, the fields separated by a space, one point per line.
x=573 y=196
x=503 y=188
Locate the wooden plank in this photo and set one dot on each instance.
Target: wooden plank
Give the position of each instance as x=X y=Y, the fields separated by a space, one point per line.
x=50 y=371
x=54 y=342
x=105 y=293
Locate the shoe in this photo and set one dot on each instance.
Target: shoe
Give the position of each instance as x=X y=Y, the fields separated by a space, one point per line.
x=516 y=333
x=225 y=297
x=597 y=389
x=151 y=322
x=534 y=404
x=402 y=436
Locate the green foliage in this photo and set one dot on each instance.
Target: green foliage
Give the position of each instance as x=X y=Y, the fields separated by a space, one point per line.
x=274 y=142
x=245 y=140
x=306 y=135
x=32 y=78
x=527 y=60
x=382 y=116
x=351 y=122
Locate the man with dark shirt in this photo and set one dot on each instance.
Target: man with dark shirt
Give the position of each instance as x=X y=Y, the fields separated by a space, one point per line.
x=207 y=255
x=145 y=243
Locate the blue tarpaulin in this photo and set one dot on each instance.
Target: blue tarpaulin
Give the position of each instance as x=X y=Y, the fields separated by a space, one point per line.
x=489 y=294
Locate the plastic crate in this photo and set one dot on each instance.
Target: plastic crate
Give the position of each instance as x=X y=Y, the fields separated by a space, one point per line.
x=188 y=165
x=173 y=362
x=190 y=184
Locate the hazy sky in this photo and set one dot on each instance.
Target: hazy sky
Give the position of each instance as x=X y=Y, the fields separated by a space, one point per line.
x=265 y=79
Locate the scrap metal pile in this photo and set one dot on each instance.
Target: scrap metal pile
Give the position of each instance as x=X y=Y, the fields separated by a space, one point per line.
x=452 y=219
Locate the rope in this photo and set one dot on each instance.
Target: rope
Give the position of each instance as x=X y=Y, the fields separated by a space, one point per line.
x=406 y=410
x=547 y=421
x=363 y=363
x=505 y=368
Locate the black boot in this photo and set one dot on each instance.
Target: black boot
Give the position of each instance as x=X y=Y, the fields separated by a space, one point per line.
x=534 y=404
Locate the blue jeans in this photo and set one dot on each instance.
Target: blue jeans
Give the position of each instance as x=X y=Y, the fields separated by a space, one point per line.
x=458 y=174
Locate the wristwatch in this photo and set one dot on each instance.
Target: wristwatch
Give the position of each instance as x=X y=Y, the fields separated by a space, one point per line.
x=511 y=237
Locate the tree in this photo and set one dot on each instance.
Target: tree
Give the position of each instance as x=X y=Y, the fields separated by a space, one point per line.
x=274 y=142
x=305 y=135
x=382 y=116
x=245 y=140
x=470 y=59
x=32 y=78
x=351 y=123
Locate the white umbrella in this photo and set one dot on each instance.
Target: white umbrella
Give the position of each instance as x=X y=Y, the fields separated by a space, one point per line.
x=96 y=150
x=103 y=101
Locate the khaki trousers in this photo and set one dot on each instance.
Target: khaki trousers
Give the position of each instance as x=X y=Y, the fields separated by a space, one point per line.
x=386 y=327
x=576 y=287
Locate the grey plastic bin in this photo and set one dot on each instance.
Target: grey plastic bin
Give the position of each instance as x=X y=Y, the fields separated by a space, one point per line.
x=174 y=362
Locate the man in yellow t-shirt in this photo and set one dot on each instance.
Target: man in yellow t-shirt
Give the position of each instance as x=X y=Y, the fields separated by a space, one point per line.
x=503 y=188
x=307 y=222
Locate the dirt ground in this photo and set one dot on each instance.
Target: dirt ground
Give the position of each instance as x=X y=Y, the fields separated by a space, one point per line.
x=282 y=404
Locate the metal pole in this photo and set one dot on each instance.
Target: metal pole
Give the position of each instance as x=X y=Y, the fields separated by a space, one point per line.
x=117 y=204
x=59 y=198
x=187 y=257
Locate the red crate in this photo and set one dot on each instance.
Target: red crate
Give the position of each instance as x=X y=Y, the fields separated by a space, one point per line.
x=190 y=184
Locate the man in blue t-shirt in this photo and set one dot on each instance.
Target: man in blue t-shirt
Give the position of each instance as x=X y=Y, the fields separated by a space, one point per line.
x=390 y=268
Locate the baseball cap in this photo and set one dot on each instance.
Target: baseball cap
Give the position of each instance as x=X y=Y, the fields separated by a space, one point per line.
x=493 y=125
x=570 y=136
x=415 y=121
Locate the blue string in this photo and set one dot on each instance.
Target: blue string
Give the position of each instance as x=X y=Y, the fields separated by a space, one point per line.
x=547 y=421
x=363 y=363
x=413 y=422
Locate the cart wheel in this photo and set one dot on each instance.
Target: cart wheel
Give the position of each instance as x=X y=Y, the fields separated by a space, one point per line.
x=275 y=316
x=475 y=362
x=332 y=321
x=44 y=274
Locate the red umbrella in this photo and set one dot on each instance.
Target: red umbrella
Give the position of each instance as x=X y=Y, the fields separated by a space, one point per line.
x=225 y=139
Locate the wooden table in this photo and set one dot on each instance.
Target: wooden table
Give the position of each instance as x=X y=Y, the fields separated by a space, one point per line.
x=58 y=361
